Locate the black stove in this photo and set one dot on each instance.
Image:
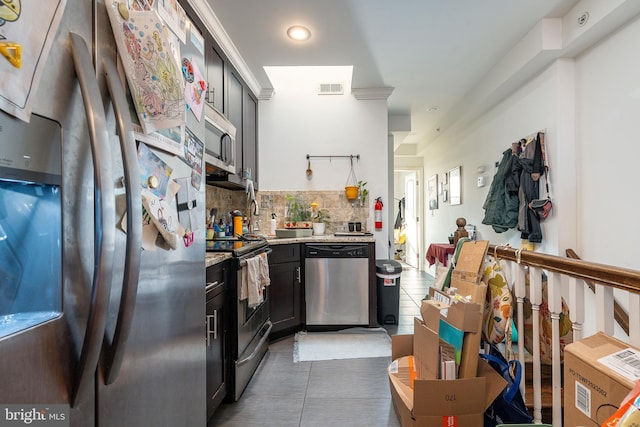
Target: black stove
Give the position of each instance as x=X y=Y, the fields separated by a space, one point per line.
x=237 y=246
x=249 y=327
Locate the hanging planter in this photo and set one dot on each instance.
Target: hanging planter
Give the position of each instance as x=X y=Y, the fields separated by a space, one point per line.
x=351 y=187
x=351 y=192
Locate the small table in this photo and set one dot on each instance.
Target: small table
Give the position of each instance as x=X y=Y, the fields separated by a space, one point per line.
x=440 y=252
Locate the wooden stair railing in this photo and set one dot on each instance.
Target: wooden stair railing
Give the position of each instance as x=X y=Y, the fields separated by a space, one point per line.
x=620 y=278
x=619 y=314
x=588 y=273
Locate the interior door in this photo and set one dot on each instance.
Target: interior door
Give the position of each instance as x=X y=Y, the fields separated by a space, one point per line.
x=411 y=220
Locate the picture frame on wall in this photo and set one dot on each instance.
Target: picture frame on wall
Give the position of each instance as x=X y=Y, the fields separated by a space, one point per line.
x=432 y=192
x=455 y=186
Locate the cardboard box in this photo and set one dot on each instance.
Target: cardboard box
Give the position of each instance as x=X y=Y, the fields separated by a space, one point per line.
x=425 y=345
x=464 y=316
x=431 y=311
x=470 y=262
x=466 y=278
x=593 y=390
x=426 y=402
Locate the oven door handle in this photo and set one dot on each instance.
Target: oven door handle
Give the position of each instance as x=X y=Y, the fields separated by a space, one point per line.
x=243 y=260
x=253 y=354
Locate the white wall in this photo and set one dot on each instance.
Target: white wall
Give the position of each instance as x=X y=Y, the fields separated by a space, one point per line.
x=590 y=108
x=608 y=113
x=481 y=144
x=297 y=121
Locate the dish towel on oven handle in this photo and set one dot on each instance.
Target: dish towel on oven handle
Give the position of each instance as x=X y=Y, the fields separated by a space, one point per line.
x=264 y=269
x=254 y=278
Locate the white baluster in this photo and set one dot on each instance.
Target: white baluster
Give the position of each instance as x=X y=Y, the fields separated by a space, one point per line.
x=604 y=309
x=576 y=306
x=535 y=295
x=519 y=288
x=554 y=290
x=634 y=319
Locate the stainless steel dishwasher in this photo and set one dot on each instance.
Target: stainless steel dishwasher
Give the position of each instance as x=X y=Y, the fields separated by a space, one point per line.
x=337 y=284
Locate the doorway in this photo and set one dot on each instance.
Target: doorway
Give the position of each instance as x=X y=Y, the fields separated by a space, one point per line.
x=407 y=225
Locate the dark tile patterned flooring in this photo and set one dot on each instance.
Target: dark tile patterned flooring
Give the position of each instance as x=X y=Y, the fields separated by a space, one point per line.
x=348 y=392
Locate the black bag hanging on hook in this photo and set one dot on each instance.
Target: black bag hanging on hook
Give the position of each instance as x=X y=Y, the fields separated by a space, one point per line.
x=542 y=207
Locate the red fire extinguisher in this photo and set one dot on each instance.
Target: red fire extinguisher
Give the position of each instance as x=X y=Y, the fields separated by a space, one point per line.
x=377 y=214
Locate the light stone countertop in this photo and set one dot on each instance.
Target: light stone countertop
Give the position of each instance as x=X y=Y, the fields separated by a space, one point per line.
x=329 y=238
x=213 y=258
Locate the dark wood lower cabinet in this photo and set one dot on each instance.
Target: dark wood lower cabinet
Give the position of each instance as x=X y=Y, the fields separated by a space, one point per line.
x=286 y=290
x=216 y=338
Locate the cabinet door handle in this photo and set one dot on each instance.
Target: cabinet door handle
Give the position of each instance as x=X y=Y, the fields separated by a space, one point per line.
x=210 y=285
x=215 y=325
x=211 y=317
x=299 y=274
x=208 y=322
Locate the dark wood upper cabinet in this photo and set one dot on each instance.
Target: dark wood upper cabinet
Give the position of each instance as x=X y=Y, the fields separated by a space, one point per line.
x=215 y=65
x=230 y=95
x=236 y=116
x=250 y=137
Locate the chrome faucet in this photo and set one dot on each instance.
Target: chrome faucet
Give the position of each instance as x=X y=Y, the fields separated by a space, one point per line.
x=253 y=210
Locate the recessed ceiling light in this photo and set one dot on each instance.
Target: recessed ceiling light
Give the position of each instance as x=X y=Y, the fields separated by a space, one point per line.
x=432 y=109
x=299 y=33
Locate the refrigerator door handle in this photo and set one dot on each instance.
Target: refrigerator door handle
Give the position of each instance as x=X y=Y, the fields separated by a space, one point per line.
x=105 y=224
x=114 y=352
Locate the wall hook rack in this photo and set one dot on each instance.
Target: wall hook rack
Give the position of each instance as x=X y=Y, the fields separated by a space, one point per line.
x=330 y=157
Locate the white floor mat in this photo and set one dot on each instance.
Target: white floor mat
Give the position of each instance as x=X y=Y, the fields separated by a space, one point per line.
x=349 y=343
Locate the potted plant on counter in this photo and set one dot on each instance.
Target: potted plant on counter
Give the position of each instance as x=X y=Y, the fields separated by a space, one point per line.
x=297 y=213
x=320 y=222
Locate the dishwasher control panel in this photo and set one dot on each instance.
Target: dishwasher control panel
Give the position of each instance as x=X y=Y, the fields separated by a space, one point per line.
x=336 y=251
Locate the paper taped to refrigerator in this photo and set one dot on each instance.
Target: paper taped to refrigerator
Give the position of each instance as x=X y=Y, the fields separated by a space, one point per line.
x=32 y=27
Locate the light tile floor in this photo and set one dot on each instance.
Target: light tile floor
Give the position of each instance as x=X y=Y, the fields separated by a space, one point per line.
x=348 y=392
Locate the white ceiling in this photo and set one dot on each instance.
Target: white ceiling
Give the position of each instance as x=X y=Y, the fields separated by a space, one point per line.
x=431 y=52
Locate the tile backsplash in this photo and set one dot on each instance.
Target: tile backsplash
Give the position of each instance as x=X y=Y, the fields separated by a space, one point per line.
x=225 y=201
x=341 y=210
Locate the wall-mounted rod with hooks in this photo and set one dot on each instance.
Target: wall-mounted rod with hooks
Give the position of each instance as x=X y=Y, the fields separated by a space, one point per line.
x=350 y=156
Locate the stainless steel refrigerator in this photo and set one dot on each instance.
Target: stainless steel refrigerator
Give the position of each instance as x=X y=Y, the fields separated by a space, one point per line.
x=89 y=320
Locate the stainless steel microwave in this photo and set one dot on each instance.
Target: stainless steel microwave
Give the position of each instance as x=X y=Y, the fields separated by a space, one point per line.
x=220 y=140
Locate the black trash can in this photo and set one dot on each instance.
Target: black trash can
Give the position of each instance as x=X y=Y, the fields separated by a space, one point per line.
x=388 y=290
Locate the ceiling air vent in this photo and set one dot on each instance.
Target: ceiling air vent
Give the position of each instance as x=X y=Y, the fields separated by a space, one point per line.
x=330 y=89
